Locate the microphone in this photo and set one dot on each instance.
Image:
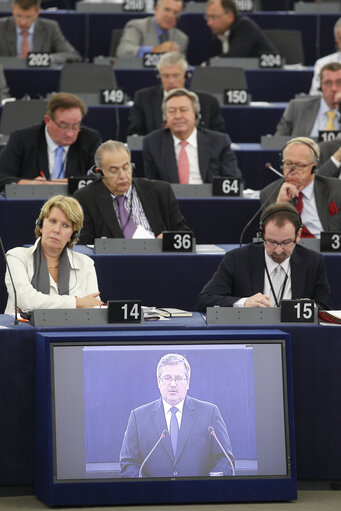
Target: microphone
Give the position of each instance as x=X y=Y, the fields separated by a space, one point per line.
x=161 y=437
x=14 y=290
x=267 y=201
x=229 y=456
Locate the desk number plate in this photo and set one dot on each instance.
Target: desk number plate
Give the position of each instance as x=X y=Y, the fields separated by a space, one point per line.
x=298 y=311
x=177 y=241
x=330 y=242
x=111 y=97
x=236 y=97
x=38 y=59
x=124 y=311
x=226 y=186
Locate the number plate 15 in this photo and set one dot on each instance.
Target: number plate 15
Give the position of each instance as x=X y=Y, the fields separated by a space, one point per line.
x=298 y=311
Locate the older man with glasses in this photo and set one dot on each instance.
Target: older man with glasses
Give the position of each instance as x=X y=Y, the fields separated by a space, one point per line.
x=261 y=275
x=316 y=198
x=58 y=148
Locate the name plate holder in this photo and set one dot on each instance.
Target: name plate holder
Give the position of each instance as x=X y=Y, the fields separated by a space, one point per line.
x=245 y=316
x=72 y=317
x=128 y=246
x=45 y=191
x=186 y=191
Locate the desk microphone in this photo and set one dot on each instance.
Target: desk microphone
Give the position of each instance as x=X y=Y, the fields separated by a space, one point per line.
x=14 y=290
x=229 y=456
x=267 y=201
x=161 y=437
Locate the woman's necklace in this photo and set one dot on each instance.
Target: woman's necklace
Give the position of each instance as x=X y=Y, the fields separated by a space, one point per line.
x=53 y=266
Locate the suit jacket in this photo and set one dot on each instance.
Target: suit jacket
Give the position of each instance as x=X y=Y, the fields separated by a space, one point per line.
x=4 y=91
x=158 y=201
x=327 y=167
x=197 y=452
x=25 y=154
x=146 y=115
x=241 y=274
x=216 y=157
x=47 y=38
x=326 y=190
x=299 y=117
x=142 y=32
x=246 y=39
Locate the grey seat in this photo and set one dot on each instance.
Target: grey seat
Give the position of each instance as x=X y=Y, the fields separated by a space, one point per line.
x=86 y=78
x=289 y=43
x=116 y=35
x=215 y=79
x=21 y=114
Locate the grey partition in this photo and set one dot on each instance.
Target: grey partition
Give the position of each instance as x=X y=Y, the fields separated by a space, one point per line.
x=243 y=62
x=43 y=191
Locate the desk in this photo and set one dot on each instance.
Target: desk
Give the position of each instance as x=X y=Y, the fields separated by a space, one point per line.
x=316 y=352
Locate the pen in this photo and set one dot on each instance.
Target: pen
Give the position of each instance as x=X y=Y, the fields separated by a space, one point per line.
x=42 y=174
x=23 y=320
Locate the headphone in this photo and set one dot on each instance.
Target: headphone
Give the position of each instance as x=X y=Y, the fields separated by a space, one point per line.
x=300 y=141
x=94 y=170
x=260 y=229
x=74 y=236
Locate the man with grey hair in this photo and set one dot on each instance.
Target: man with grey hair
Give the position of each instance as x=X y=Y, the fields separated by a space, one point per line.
x=154 y=34
x=315 y=88
x=145 y=115
x=184 y=426
x=316 y=198
x=183 y=152
x=121 y=206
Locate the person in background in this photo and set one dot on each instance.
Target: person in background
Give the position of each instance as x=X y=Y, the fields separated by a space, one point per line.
x=49 y=274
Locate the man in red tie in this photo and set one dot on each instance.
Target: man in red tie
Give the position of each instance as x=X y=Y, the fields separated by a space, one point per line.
x=183 y=152
x=316 y=198
x=25 y=32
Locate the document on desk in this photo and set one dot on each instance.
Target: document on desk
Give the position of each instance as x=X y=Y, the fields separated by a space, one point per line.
x=328 y=318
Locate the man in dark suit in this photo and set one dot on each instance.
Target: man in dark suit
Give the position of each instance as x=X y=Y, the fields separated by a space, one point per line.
x=235 y=35
x=183 y=153
x=186 y=446
x=146 y=114
x=305 y=117
x=25 y=32
x=317 y=198
x=330 y=158
x=261 y=275
x=58 y=148
x=119 y=206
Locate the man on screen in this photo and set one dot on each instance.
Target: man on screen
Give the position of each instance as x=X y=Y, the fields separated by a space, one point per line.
x=174 y=435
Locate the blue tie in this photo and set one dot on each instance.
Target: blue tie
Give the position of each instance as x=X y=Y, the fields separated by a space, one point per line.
x=58 y=171
x=174 y=428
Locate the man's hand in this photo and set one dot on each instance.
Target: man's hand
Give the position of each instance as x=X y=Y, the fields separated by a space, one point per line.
x=287 y=192
x=258 y=300
x=166 y=46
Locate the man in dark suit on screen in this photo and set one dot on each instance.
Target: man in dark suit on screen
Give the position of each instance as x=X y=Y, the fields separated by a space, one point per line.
x=183 y=152
x=262 y=274
x=120 y=206
x=58 y=148
x=182 y=427
x=26 y=32
x=145 y=115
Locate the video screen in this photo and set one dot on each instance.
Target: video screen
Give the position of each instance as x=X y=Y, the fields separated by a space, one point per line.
x=169 y=410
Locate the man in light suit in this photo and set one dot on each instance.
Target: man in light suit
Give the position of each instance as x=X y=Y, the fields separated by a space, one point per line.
x=187 y=446
x=319 y=197
x=208 y=153
x=155 y=34
x=25 y=32
x=146 y=114
x=50 y=152
x=246 y=276
x=305 y=117
x=150 y=206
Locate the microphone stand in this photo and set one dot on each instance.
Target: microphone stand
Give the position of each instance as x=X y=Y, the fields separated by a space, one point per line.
x=227 y=455
x=14 y=290
x=163 y=434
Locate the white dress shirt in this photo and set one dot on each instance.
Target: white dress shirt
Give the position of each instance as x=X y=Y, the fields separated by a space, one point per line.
x=193 y=158
x=168 y=413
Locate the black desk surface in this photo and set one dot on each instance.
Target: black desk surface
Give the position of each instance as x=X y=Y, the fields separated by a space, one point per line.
x=316 y=352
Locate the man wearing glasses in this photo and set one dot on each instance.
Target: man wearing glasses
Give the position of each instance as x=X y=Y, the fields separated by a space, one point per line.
x=261 y=275
x=316 y=198
x=58 y=148
x=305 y=117
x=174 y=435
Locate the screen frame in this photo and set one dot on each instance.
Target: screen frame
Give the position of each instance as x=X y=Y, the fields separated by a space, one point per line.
x=152 y=490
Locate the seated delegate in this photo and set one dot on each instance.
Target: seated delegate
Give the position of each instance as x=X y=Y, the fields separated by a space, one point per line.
x=49 y=275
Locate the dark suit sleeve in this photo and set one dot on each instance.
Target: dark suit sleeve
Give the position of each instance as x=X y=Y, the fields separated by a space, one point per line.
x=11 y=158
x=170 y=213
x=89 y=145
x=286 y=123
x=219 y=462
x=327 y=167
x=137 y=124
x=62 y=51
x=150 y=168
x=321 y=292
x=88 y=232
x=248 y=39
x=130 y=455
x=219 y=289
x=228 y=160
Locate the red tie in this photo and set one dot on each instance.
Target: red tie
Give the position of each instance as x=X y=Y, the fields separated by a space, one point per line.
x=299 y=206
x=183 y=164
x=25 y=47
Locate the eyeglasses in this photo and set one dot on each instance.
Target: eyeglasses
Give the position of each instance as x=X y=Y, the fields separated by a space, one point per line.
x=282 y=244
x=298 y=166
x=66 y=127
x=169 y=379
x=330 y=83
